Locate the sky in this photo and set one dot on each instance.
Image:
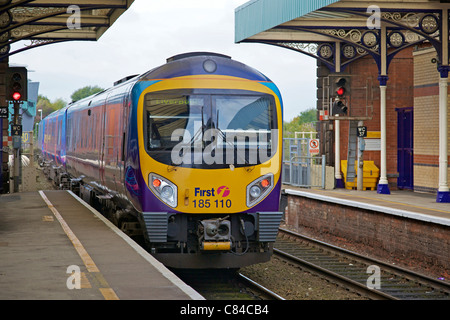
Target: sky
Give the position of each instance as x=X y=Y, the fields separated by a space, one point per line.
x=153 y=30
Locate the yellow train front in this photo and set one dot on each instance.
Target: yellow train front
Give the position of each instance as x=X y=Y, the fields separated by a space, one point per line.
x=205 y=140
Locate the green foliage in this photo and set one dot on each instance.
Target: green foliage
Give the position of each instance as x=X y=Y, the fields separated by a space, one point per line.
x=85 y=92
x=305 y=122
x=47 y=106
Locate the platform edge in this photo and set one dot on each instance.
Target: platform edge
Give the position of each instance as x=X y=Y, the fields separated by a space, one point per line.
x=373 y=207
x=147 y=256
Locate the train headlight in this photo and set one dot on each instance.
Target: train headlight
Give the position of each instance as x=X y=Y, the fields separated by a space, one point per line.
x=255 y=191
x=259 y=188
x=167 y=192
x=164 y=189
x=209 y=66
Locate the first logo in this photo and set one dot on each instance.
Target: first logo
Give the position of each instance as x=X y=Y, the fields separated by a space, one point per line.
x=224 y=191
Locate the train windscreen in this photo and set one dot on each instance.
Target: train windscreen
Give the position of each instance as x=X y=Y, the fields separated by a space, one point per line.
x=210 y=129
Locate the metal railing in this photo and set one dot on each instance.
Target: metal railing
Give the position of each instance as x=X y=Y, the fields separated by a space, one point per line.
x=300 y=168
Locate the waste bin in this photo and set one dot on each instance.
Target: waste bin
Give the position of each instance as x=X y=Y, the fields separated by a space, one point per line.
x=371 y=174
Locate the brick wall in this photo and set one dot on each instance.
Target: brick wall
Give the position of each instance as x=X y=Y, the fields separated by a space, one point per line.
x=425 y=246
x=426 y=121
x=399 y=95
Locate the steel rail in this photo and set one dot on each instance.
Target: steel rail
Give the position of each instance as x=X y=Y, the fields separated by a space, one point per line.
x=347 y=282
x=261 y=288
x=361 y=288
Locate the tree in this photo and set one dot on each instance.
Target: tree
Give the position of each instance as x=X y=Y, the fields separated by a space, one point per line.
x=302 y=123
x=47 y=106
x=85 y=92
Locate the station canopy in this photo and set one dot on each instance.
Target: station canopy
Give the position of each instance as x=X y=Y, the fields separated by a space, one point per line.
x=314 y=27
x=44 y=22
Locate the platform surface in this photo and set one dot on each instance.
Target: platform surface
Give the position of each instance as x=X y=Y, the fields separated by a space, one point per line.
x=409 y=204
x=52 y=243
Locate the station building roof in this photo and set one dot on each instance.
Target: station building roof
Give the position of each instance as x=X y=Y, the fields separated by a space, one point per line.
x=319 y=28
x=49 y=21
x=268 y=20
x=257 y=16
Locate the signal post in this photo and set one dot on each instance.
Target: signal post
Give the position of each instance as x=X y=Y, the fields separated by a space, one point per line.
x=339 y=94
x=16 y=92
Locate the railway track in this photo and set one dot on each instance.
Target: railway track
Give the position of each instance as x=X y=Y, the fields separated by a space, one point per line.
x=368 y=277
x=225 y=285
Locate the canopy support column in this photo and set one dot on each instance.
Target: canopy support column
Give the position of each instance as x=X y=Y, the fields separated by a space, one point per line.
x=443 y=194
x=337 y=127
x=383 y=186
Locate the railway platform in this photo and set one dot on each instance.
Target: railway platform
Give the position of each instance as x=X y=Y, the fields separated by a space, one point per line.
x=405 y=203
x=53 y=246
x=405 y=227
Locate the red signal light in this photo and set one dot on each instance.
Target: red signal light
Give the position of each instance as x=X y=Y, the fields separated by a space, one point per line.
x=340 y=91
x=16 y=96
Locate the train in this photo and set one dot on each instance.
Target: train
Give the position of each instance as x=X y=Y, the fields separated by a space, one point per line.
x=187 y=155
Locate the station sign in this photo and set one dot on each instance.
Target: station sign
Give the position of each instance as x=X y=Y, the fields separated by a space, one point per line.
x=16 y=130
x=362 y=132
x=3 y=112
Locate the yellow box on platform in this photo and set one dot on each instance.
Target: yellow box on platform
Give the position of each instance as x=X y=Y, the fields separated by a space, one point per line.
x=371 y=174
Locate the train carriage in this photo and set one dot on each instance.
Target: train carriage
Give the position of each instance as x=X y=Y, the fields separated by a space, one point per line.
x=189 y=154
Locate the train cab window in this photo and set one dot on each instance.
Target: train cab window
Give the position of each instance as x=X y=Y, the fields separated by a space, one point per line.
x=252 y=117
x=165 y=114
x=196 y=123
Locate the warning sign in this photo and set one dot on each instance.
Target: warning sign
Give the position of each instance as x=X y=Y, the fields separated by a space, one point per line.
x=314 y=146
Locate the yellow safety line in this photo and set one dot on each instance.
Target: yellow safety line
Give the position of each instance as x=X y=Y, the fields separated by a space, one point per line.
x=107 y=293
x=89 y=263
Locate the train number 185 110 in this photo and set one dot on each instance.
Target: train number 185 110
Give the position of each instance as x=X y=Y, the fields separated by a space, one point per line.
x=207 y=203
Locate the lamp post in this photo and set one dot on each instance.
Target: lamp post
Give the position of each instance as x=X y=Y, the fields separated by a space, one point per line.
x=40 y=110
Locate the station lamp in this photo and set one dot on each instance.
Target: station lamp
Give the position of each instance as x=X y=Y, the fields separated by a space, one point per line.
x=16 y=84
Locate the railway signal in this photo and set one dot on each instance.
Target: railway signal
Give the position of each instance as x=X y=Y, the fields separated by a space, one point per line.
x=16 y=84
x=340 y=89
x=339 y=107
x=342 y=86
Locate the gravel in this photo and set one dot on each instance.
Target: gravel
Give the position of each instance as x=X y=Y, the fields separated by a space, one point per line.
x=293 y=283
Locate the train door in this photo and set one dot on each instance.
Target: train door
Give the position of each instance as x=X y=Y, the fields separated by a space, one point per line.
x=123 y=141
x=112 y=141
x=101 y=150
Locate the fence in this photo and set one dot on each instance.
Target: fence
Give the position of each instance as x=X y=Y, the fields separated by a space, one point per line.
x=299 y=167
x=303 y=134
